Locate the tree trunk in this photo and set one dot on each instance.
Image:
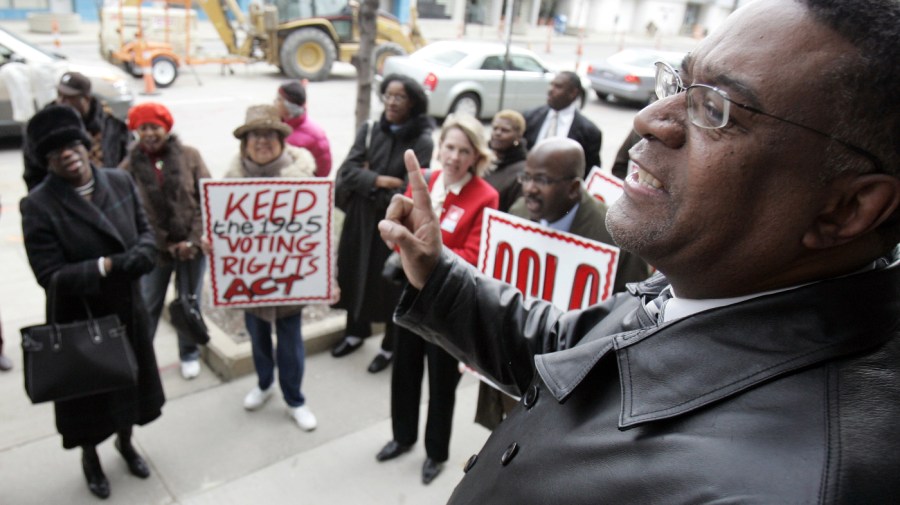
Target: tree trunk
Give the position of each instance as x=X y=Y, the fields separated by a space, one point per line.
x=367 y=30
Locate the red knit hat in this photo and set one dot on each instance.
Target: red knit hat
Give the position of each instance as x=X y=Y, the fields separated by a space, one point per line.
x=150 y=112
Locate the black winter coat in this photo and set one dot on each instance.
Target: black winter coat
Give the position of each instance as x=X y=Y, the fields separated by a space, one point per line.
x=790 y=397
x=65 y=235
x=365 y=294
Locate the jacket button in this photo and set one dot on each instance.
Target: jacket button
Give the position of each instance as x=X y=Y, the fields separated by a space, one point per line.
x=531 y=396
x=470 y=463
x=509 y=453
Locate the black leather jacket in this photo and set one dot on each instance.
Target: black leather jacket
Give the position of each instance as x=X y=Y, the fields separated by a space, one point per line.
x=792 y=397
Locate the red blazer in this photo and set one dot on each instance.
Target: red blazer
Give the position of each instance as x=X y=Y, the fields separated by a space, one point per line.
x=462 y=214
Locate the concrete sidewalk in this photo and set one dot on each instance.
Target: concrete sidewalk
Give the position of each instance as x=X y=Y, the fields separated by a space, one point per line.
x=206 y=449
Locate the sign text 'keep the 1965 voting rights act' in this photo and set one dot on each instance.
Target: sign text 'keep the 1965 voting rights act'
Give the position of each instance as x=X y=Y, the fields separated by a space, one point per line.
x=271 y=240
x=569 y=271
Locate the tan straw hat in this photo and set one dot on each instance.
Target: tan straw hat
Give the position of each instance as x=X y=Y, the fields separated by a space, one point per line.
x=262 y=117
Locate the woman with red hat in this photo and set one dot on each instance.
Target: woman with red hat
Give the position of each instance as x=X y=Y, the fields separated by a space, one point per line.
x=168 y=175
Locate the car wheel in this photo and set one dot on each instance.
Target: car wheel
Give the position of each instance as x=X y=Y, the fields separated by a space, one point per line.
x=603 y=97
x=466 y=103
x=650 y=99
x=308 y=53
x=383 y=52
x=164 y=71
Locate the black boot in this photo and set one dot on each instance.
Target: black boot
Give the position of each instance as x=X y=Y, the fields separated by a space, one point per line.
x=136 y=464
x=93 y=472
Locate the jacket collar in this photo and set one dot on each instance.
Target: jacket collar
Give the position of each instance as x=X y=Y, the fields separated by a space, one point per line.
x=678 y=367
x=87 y=211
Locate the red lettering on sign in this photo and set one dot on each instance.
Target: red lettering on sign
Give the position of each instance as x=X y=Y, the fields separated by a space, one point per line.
x=527 y=259
x=258 y=287
x=235 y=206
x=584 y=274
x=504 y=262
x=298 y=209
x=550 y=277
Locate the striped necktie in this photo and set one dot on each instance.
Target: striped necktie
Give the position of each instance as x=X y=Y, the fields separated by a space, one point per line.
x=650 y=313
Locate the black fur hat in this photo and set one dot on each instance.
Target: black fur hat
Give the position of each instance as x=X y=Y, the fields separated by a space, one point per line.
x=54 y=127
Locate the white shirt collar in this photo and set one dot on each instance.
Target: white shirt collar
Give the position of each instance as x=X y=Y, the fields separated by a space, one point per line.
x=564 y=223
x=564 y=122
x=439 y=190
x=676 y=308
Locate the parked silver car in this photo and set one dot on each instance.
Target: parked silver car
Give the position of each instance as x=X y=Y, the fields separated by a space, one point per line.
x=630 y=75
x=44 y=70
x=464 y=77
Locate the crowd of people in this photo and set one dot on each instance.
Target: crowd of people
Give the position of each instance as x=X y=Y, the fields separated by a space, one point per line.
x=735 y=369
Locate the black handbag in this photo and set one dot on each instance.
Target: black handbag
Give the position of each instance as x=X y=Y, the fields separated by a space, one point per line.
x=81 y=358
x=184 y=311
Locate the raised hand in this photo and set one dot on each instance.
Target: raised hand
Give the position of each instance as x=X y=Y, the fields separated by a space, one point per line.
x=413 y=227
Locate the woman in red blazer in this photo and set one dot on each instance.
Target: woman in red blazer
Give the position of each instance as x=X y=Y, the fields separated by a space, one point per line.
x=459 y=196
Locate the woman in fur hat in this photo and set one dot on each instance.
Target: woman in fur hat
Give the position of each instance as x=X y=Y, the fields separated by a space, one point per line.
x=168 y=175
x=264 y=153
x=84 y=227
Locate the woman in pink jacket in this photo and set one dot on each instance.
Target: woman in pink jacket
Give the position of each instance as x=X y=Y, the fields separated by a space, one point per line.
x=291 y=105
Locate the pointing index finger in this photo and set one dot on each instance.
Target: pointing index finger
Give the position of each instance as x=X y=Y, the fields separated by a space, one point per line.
x=420 y=196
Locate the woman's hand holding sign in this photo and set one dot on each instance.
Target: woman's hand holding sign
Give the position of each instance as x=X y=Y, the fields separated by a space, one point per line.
x=413 y=226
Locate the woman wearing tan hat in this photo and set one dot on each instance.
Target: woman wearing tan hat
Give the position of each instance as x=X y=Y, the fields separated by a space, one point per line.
x=265 y=154
x=168 y=175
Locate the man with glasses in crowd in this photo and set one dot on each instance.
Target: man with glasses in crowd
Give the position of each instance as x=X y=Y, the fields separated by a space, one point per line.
x=761 y=364
x=554 y=196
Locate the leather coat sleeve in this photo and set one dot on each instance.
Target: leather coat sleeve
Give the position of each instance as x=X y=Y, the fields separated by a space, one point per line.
x=488 y=325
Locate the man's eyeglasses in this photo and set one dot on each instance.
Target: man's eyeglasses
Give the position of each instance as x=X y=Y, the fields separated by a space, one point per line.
x=709 y=107
x=398 y=99
x=57 y=153
x=541 y=180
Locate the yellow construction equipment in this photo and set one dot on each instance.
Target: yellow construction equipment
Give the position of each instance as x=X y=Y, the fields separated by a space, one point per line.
x=302 y=37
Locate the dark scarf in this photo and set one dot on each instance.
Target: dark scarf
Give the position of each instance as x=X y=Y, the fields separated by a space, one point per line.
x=512 y=155
x=164 y=199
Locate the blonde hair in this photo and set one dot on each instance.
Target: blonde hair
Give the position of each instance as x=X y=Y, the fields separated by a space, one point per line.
x=473 y=131
x=514 y=117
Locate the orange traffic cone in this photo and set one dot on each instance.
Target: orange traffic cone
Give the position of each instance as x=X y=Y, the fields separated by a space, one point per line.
x=54 y=29
x=147 y=70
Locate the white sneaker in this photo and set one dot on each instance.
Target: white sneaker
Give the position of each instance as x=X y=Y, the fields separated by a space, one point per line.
x=190 y=369
x=304 y=417
x=257 y=398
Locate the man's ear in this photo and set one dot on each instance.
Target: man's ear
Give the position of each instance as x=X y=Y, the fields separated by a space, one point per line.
x=857 y=206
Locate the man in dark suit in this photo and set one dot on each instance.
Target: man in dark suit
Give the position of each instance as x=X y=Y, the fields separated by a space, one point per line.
x=561 y=118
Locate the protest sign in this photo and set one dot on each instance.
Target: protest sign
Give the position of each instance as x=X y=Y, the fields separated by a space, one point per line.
x=604 y=187
x=567 y=270
x=271 y=240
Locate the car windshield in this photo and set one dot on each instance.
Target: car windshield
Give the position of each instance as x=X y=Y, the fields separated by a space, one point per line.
x=442 y=56
x=11 y=44
x=647 y=59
